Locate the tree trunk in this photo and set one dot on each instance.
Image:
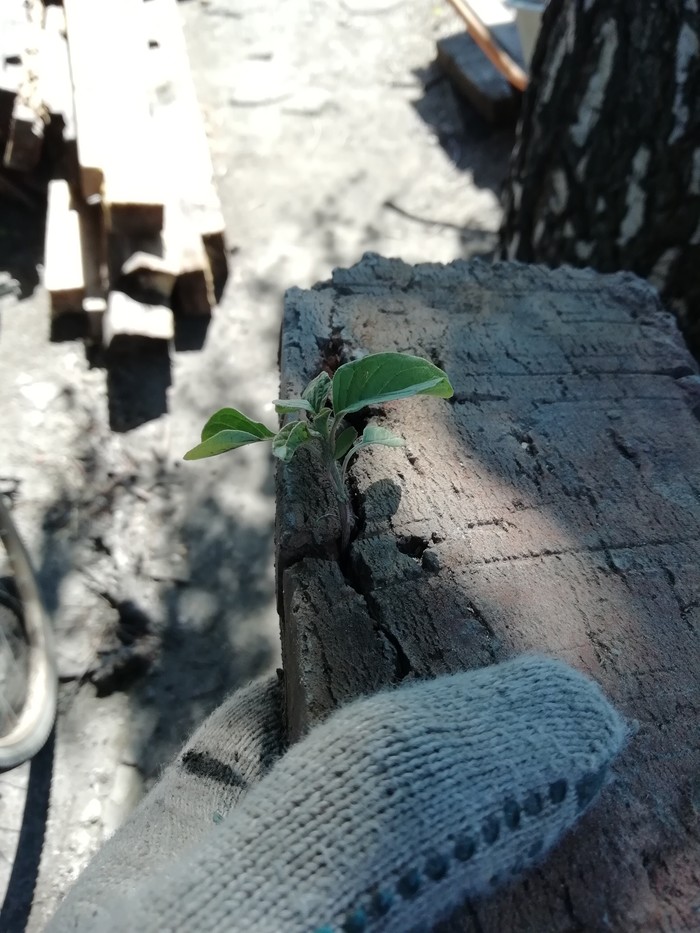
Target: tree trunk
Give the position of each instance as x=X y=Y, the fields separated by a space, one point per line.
x=606 y=168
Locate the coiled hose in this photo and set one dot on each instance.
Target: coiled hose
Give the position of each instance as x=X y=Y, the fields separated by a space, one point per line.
x=38 y=713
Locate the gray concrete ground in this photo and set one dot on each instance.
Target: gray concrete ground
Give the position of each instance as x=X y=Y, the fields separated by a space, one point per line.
x=332 y=134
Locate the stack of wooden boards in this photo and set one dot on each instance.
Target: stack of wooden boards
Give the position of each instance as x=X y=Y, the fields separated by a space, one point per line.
x=135 y=232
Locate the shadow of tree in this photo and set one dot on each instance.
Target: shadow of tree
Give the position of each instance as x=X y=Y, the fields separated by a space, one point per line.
x=472 y=144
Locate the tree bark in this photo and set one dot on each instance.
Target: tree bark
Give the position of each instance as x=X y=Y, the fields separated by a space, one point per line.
x=606 y=168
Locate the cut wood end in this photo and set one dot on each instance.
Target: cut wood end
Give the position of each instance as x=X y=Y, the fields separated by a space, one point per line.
x=94 y=305
x=95 y=309
x=128 y=322
x=132 y=219
x=193 y=294
x=151 y=276
x=91 y=180
x=66 y=301
x=141 y=261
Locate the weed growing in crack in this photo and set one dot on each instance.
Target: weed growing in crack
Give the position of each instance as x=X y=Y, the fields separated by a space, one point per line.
x=321 y=413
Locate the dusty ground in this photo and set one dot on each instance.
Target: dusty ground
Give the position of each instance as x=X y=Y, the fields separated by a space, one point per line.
x=332 y=134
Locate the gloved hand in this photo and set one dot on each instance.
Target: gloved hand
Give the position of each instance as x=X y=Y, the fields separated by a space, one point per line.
x=384 y=818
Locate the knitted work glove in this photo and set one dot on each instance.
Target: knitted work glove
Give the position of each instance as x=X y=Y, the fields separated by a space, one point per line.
x=225 y=757
x=388 y=815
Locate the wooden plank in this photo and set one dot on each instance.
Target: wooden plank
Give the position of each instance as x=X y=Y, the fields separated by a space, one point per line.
x=551 y=506
x=193 y=291
x=56 y=88
x=10 y=77
x=473 y=75
x=63 y=260
x=171 y=267
x=25 y=137
x=120 y=157
x=492 y=50
x=56 y=85
x=85 y=321
x=174 y=267
x=500 y=20
x=476 y=79
x=178 y=120
x=128 y=323
x=141 y=267
x=93 y=245
x=13 y=40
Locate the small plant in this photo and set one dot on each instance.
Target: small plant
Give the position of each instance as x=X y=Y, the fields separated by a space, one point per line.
x=322 y=411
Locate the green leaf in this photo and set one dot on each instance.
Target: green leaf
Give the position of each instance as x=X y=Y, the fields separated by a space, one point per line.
x=384 y=377
x=320 y=423
x=221 y=442
x=289 y=438
x=229 y=419
x=286 y=406
x=373 y=434
x=317 y=391
x=344 y=442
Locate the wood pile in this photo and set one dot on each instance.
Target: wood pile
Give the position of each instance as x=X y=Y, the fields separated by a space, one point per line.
x=135 y=233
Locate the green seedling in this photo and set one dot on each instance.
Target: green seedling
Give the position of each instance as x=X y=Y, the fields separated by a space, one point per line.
x=321 y=417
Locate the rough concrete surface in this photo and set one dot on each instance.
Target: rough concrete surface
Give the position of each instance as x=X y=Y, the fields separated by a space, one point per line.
x=331 y=133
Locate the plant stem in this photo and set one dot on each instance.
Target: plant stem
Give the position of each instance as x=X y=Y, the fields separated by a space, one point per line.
x=332 y=431
x=344 y=505
x=346 y=459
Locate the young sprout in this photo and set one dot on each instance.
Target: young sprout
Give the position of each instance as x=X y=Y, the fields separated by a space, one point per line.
x=322 y=414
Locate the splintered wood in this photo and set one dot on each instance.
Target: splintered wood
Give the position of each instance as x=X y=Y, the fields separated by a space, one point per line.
x=135 y=233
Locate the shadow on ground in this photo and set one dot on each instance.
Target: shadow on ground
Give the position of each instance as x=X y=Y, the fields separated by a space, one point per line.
x=22 y=223
x=472 y=144
x=138 y=380
x=210 y=641
x=169 y=596
x=19 y=894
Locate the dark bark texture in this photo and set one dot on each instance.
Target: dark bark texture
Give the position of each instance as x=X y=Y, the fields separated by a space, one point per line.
x=606 y=168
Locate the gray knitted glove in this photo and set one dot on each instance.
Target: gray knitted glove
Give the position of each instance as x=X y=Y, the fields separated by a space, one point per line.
x=225 y=757
x=384 y=818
